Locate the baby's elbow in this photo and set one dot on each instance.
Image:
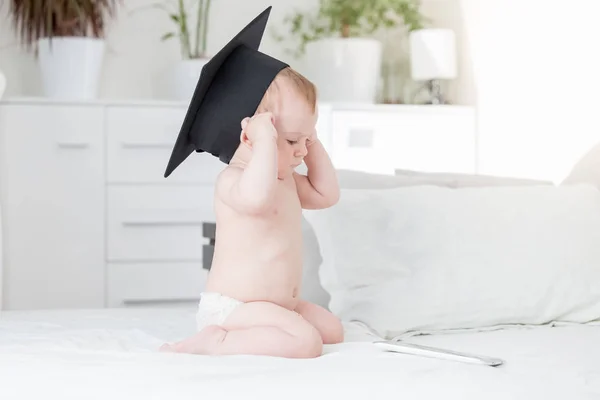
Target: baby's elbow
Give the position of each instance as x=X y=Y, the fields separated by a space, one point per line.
x=331 y=199
x=323 y=202
x=335 y=197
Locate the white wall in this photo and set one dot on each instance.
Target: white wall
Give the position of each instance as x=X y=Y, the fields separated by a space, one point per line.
x=136 y=57
x=528 y=65
x=536 y=68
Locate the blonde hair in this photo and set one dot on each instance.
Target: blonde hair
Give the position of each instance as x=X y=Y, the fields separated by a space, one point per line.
x=300 y=84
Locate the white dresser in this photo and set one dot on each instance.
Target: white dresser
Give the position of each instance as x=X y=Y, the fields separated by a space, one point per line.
x=89 y=220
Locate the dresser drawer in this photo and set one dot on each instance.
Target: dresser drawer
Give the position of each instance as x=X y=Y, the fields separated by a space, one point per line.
x=158 y=222
x=359 y=141
x=424 y=138
x=152 y=283
x=140 y=142
x=439 y=139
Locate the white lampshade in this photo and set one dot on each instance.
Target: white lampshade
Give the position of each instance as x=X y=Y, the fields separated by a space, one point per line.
x=433 y=54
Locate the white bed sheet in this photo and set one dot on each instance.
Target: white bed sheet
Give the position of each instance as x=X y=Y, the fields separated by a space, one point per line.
x=112 y=354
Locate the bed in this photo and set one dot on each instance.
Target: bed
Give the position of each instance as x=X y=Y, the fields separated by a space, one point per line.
x=435 y=275
x=112 y=354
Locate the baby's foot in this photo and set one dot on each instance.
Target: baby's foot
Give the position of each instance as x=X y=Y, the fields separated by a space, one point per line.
x=166 y=348
x=202 y=342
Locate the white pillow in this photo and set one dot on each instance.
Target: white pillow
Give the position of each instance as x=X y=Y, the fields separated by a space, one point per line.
x=429 y=258
x=587 y=169
x=312 y=289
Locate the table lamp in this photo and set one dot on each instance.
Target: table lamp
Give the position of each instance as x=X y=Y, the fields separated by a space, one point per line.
x=433 y=58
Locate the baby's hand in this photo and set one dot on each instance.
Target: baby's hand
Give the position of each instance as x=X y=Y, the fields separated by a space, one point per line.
x=311 y=139
x=259 y=127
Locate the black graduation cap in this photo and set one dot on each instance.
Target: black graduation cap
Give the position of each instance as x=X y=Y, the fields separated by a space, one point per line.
x=230 y=88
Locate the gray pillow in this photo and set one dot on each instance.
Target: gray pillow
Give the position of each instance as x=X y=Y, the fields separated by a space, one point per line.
x=457 y=180
x=311 y=286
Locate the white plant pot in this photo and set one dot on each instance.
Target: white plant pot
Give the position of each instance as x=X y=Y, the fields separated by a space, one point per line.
x=345 y=69
x=183 y=78
x=70 y=67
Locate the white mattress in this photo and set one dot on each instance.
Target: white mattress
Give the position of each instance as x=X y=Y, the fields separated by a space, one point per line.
x=112 y=354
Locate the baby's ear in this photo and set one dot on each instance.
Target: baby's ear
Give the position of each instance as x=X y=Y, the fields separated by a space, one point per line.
x=244 y=139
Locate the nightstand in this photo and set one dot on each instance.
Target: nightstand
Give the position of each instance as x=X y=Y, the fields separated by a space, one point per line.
x=109 y=230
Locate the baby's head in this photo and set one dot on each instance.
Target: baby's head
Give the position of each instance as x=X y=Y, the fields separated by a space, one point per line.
x=293 y=101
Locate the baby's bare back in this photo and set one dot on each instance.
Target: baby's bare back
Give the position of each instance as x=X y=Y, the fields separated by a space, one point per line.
x=259 y=257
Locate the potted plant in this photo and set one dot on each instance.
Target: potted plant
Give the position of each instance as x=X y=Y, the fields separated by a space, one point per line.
x=191 y=29
x=341 y=56
x=67 y=37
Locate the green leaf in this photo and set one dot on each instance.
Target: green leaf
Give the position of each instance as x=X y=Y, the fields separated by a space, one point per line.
x=351 y=18
x=167 y=36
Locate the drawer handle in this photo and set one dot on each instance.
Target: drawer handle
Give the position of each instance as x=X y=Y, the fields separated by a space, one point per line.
x=360 y=138
x=164 y=218
x=143 y=302
x=162 y=223
x=72 y=145
x=146 y=145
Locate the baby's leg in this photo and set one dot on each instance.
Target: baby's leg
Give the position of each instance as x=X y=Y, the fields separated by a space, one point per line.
x=257 y=328
x=328 y=325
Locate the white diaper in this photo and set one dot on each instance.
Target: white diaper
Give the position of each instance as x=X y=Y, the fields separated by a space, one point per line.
x=214 y=308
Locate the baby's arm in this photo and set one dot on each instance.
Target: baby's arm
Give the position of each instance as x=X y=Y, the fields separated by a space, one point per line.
x=251 y=190
x=319 y=188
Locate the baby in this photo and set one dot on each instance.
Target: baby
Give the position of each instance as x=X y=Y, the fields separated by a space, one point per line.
x=252 y=301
